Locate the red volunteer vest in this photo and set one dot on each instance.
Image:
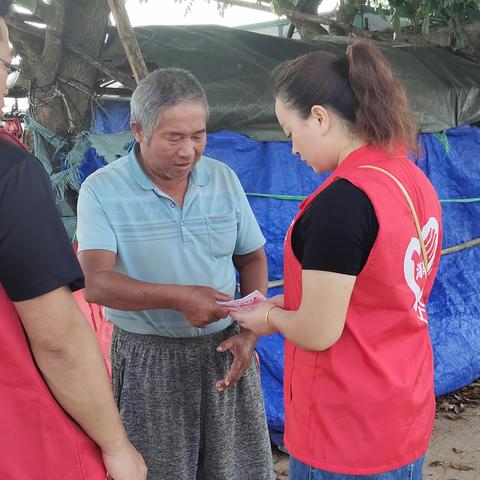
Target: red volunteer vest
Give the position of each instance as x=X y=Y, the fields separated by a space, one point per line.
x=366 y=405
x=38 y=440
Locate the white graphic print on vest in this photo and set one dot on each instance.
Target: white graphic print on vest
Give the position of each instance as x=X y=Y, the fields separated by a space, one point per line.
x=413 y=265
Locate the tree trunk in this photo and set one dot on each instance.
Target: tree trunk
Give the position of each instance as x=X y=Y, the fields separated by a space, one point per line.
x=345 y=14
x=62 y=83
x=85 y=23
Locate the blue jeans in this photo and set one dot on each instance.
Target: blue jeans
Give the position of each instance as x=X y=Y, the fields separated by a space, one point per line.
x=300 y=471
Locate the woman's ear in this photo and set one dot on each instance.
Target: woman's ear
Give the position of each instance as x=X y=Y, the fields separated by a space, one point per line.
x=322 y=116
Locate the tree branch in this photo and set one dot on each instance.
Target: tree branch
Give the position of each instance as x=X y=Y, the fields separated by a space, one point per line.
x=25 y=17
x=43 y=11
x=343 y=27
x=52 y=49
x=24 y=44
x=246 y=4
x=295 y=16
x=113 y=73
x=27 y=34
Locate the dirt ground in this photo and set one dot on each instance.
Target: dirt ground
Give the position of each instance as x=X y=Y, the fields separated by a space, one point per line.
x=454 y=452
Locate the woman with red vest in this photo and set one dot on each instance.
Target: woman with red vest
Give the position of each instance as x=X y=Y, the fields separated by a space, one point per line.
x=359 y=264
x=58 y=418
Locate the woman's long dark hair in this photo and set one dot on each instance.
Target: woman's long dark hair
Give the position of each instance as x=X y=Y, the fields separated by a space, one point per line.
x=360 y=87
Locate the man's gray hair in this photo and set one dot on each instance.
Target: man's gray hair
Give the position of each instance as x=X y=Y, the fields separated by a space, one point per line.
x=163 y=88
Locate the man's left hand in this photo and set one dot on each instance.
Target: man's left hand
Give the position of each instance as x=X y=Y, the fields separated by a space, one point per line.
x=242 y=347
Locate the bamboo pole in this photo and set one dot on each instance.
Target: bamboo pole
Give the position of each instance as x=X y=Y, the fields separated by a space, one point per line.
x=461 y=246
x=128 y=39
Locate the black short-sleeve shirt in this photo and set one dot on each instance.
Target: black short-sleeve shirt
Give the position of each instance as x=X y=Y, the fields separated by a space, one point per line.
x=337 y=231
x=36 y=256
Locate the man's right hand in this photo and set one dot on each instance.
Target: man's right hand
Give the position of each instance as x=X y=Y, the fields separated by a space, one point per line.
x=125 y=463
x=198 y=305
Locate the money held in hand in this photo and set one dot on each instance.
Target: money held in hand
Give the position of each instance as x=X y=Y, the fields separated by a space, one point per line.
x=244 y=303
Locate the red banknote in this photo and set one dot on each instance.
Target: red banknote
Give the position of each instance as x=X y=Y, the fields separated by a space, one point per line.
x=244 y=303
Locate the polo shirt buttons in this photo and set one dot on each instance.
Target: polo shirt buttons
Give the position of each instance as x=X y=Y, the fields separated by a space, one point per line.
x=172 y=205
x=183 y=224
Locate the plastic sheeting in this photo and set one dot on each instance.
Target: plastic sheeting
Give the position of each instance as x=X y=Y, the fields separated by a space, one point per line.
x=234 y=68
x=450 y=160
x=454 y=305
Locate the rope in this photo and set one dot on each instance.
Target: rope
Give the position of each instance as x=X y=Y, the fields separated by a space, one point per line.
x=445 y=251
x=53 y=91
x=92 y=97
x=71 y=124
x=47 y=90
x=410 y=206
x=299 y=198
x=459 y=200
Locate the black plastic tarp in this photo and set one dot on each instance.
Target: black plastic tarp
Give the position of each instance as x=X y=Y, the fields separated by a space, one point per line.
x=234 y=67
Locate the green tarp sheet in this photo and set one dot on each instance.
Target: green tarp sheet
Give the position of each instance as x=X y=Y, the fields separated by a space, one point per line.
x=234 y=67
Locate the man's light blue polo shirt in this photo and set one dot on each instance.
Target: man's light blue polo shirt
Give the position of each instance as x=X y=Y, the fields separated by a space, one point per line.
x=120 y=209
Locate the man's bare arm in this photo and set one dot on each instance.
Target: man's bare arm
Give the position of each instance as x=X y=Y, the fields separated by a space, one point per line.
x=105 y=286
x=70 y=361
x=253 y=271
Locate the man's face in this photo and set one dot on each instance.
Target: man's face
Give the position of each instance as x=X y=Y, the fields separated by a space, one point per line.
x=6 y=56
x=177 y=144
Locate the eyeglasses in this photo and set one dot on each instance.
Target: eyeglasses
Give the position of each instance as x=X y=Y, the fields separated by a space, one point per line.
x=13 y=73
x=10 y=68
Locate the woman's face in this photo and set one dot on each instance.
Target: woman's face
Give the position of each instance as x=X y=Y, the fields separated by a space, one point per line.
x=312 y=138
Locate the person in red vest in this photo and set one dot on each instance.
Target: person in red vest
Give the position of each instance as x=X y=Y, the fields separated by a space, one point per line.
x=58 y=418
x=359 y=264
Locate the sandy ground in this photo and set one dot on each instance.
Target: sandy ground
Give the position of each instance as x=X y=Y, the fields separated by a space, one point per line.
x=454 y=452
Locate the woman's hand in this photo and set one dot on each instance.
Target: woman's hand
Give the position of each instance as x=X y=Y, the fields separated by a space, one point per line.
x=254 y=319
x=277 y=300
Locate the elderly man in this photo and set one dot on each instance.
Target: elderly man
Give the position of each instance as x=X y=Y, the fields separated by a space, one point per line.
x=56 y=405
x=161 y=232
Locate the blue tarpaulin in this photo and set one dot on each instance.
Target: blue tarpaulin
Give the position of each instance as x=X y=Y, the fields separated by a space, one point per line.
x=451 y=162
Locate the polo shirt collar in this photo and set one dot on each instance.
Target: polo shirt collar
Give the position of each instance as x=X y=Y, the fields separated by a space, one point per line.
x=199 y=175
x=137 y=171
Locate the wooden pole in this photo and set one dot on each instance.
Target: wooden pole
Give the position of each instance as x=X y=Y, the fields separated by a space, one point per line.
x=128 y=39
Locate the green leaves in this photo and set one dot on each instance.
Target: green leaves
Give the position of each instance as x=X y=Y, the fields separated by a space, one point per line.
x=426 y=24
x=421 y=12
x=277 y=7
x=396 y=21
